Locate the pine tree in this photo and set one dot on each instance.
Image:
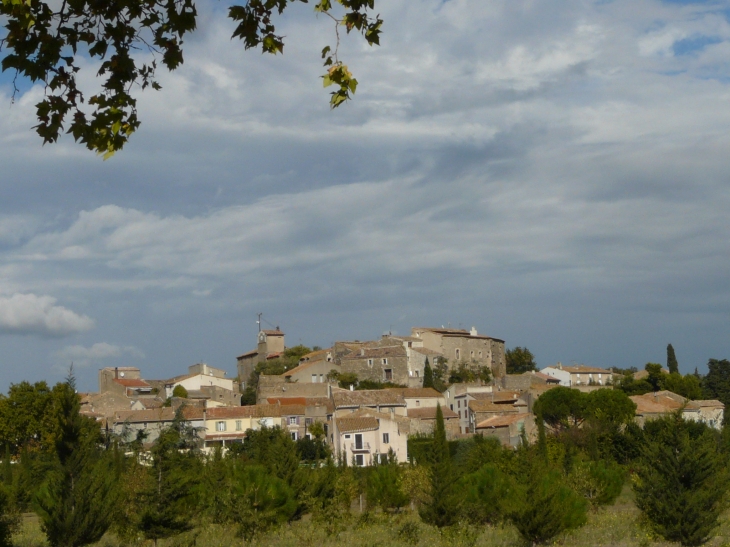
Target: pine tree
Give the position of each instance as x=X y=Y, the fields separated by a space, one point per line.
x=167 y=500
x=672 y=364
x=682 y=480
x=427 y=375
x=76 y=502
x=444 y=505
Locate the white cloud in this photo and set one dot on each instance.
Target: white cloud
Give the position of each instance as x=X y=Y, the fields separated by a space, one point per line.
x=82 y=357
x=33 y=314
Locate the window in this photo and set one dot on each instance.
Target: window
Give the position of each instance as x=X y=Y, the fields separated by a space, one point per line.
x=144 y=425
x=418 y=403
x=458 y=354
x=358 y=441
x=292 y=420
x=452 y=407
x=321 y=378
x=370 y=362
x=359 y=460
x=220 y=426
x=384 y=361
x=238 y=425
x=388 y=374
x=480 y=355
x=308 y=421
x=386 y=438
x=417 y=374
x=347 y=436
x=314 y=378
x=472 y=354
x=294 y=435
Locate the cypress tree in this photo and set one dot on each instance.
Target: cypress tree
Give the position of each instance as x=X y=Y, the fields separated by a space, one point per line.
x=682 y=480
x=672 y=364
x=444 y=506
x=76 y=502
x=427 y=375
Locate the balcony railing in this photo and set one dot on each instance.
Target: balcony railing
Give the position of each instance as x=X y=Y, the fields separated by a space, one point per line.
x=359 y=447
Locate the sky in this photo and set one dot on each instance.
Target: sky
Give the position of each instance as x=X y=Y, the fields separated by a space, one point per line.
x=555 y=174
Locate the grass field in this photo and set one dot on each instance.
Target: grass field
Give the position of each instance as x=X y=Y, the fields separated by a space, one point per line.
x=616 y=526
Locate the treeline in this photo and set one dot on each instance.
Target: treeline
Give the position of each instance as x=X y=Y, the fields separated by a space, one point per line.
x=83 y=483
x=714 y=385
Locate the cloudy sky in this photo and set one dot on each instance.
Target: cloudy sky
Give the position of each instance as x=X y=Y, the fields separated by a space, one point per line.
x=554 y=173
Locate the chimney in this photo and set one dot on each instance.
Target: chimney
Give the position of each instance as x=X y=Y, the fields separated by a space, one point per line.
x=352 y=387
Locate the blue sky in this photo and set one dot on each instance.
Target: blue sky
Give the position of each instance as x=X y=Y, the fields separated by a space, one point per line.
x=553 y=174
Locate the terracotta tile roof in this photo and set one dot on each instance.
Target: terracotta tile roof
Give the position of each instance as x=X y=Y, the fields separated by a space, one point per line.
x=276 y=332
x=372 y=353
x=249 y=354
x=709 y=403
x=251 y=411
x=429 y=413
x=304 y=366
x=542 y=376
x=489 y=406
x=495 y=396
x=293 y=410
x=417 y=392
x=646 y=406
x=128 y=382
x=274 y=355
x=306 y=401
x=370 y=397
x=351 y=425
x=500 y=421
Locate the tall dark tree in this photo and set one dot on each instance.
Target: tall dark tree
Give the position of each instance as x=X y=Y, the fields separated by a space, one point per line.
x=546 y=506
x=672 y=364
x=77 y=500
x=716 y=384
x=682 y=480
x=444 y=504
x=8 y=518
x=427 y=375
x=519 y=360
x=167 y=501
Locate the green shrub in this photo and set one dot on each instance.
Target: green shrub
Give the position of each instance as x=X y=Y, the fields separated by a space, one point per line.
x=600 y=482
x=489 y=495
x=547 y=506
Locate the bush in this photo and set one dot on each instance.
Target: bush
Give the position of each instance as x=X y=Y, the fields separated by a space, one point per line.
x=547 y=506
x=600 y=482
x=489 y=495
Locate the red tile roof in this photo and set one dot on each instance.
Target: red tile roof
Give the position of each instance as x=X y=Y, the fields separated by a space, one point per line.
x=429 y=413
x=351 y=425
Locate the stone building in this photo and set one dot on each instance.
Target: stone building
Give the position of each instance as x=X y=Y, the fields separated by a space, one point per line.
x=125 y=381
x=462 y=346
x=270 y=346
x=379 y=364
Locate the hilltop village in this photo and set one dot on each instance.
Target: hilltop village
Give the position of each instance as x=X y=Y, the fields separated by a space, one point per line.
x=364 y=397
